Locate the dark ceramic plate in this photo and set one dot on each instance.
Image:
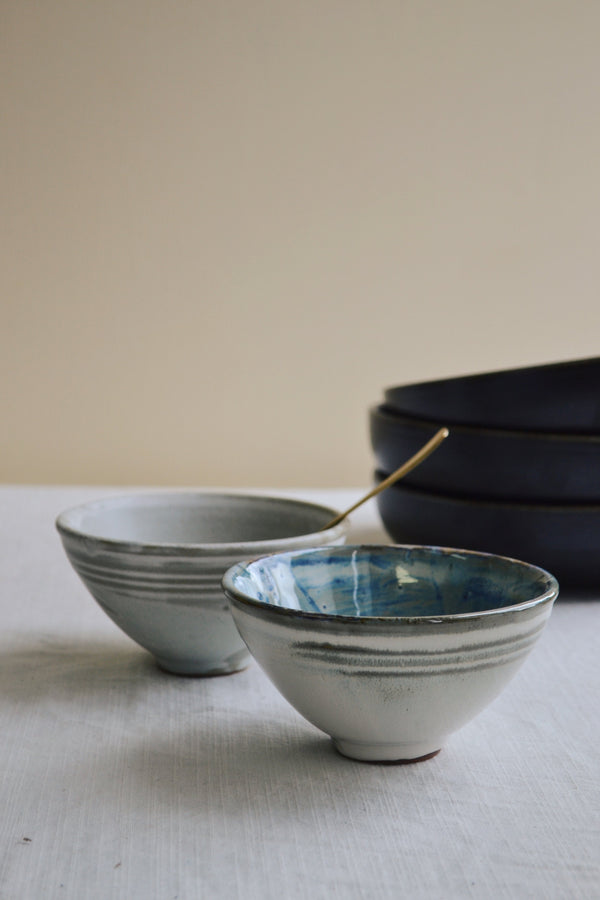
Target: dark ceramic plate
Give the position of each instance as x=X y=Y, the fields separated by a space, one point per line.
x=564 y=540
x=490 y=463
x=558 y=397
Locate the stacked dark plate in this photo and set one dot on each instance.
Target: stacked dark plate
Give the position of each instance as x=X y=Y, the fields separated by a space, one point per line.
x=518 y=475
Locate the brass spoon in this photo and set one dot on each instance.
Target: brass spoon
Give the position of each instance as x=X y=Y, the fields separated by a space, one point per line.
x=404 y=469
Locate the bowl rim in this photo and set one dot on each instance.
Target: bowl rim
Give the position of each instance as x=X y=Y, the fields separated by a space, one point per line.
x=510 y=371
x=403 y=418
x=392 y=394
x=552 y=507
x=243 y=600
x=67 y=527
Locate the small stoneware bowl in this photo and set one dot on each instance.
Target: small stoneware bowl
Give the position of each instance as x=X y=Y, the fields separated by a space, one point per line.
x=389 y=649
x=154 y=563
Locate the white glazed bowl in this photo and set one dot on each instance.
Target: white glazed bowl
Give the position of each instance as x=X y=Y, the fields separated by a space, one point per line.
x=154 y=563
x=389 y=649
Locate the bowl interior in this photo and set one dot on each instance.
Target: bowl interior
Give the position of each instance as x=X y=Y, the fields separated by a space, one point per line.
x=372 y=581
x=195 y=518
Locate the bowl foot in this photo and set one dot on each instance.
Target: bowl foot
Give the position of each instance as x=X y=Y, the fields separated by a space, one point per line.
x=400 y=754
x=193 y=668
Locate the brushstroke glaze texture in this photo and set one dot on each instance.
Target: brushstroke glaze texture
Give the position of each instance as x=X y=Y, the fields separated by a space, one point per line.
x=154 y=563
x=389 y=649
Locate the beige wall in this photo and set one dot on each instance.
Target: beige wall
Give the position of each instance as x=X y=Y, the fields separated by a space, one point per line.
x=228 y=225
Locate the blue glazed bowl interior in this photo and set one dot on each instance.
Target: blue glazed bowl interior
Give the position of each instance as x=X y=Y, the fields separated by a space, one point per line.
x=371 y=581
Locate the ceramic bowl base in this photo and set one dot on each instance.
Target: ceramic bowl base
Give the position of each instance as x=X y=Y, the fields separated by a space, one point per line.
x=401 y=754
x=198 y=669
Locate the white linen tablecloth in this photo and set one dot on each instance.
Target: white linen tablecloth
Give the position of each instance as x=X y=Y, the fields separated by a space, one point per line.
x=120 y=781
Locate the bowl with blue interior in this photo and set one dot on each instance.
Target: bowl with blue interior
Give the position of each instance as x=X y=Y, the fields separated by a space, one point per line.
x=389 y=649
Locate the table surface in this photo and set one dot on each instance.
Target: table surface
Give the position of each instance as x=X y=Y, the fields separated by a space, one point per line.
x=120 y=781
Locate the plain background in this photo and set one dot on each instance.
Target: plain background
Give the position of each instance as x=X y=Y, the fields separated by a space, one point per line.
x=227 y=226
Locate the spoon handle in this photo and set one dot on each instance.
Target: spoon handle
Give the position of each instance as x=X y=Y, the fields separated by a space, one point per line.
x=404 y=469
